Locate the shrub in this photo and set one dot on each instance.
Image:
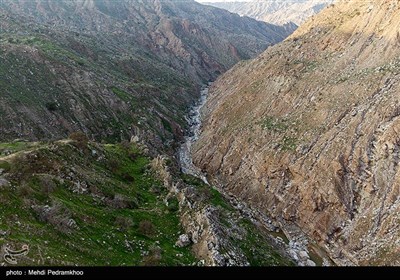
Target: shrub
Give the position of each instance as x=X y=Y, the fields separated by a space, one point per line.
x=48 y=185
x=121 y=202
x=151 y=260
x=146 y=228
x=56 y=215
x=128 y=177
x=5 y=166
x=51 y=106
x=154 y=257
x=113 y=165
x=133 y=156
x=126 y=145
x=204 y=194
x=80 y=139
x=123 y=223
x=25 y=191
x=173 y=204
x=78 y=136
x=155 y=189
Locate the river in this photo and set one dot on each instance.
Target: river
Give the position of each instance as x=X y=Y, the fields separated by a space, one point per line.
x=194 y=121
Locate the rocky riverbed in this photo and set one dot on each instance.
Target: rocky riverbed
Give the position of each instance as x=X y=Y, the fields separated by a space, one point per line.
x=194 y=120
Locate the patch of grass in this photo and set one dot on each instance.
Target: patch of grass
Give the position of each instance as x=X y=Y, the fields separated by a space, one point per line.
x=191 y=180
x=83 y=226
x=289 y=144
x=166 y=124
x=173 y=204
x=257 y=248
x=218 y=200
x=121 y=94
x=6 y=166
x=274 y=124
x=16 y=146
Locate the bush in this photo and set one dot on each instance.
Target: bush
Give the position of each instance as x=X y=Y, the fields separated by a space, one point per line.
x=150 y=260
x=128 y=177
x=56 y=215
x=204 y=194
x=146 y=228
x=126 y=145
x=51 y=106
x=5 y=166
x=80 y=139
x=25 y=191
x=155 y=189
x=154 y=258
x=123 y=223
x=122 y=202
x=113 y=165
x=47 y=184
x=132 y=156
x=78 y=136
x=173 y=204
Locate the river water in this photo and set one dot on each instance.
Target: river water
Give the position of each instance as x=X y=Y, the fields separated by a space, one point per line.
x=194 y=120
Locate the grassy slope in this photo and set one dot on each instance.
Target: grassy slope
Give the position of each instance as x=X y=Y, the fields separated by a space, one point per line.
x=75 y=203
x=120 y=193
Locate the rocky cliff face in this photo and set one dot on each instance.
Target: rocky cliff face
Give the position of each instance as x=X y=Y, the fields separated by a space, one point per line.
x=275 y=11
x=114 y=68
x=308 y=132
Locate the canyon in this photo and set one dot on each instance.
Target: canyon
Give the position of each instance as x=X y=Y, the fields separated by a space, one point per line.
x=170 y=133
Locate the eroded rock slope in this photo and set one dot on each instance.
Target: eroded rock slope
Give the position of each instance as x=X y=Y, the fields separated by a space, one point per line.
x=309 y=132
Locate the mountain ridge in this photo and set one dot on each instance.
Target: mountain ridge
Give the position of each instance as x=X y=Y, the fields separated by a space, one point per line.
x=275 y=11
x=111 y=70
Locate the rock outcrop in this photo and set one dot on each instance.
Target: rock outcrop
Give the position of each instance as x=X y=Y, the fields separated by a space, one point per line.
x=308 y=132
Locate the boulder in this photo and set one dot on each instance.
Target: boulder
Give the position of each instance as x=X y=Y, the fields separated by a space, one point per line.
x=4 y=182
x=183 y=240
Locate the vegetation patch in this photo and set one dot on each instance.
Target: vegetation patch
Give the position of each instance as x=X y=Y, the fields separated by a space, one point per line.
x=274 y=124
x=289 y=144
x=72 y=207
x=121 y=94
